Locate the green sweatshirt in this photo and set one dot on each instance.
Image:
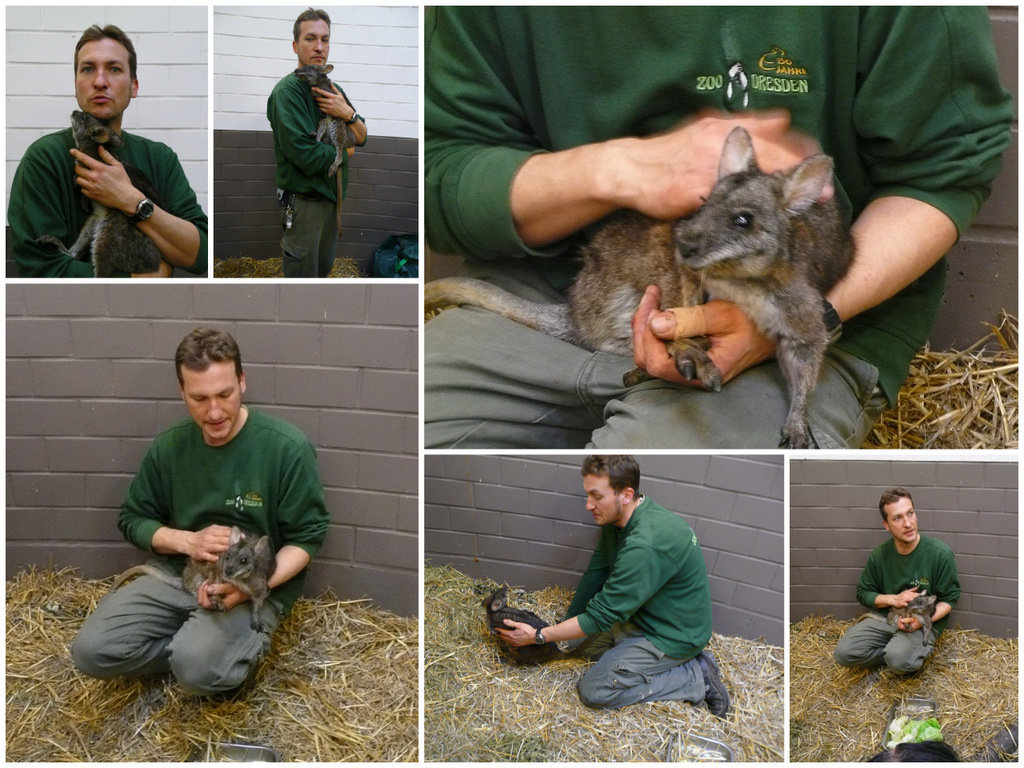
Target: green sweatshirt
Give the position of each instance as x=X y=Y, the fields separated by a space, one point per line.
x=302 y=161
x=930 y=568
x=265 y=480
x=906 y=99
x=651 y=573
x=46 y=201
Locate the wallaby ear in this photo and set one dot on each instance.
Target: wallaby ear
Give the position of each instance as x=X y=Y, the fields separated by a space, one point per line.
x=235 y=536
x=327 y=69
x=737 y=154
x=803 y=187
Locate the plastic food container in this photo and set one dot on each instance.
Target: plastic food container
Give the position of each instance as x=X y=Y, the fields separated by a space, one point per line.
x=691 y=748
x=223 y=752
x=914 y=707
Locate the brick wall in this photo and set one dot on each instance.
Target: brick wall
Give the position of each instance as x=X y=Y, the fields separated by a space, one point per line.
x=970 y=505
x=521 y=520
x=90 y=381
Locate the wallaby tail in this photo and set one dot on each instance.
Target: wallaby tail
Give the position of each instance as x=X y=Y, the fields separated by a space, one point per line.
x=552 y=319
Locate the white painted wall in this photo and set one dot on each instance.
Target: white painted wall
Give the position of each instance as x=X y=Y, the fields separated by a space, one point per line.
x=374 y=50
x=171 y=43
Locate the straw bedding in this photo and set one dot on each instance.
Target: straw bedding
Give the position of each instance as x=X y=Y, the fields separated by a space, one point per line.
x=244 y=266
x=478 y=708
x=339 y=684
x=840 y=714
x=957 y=399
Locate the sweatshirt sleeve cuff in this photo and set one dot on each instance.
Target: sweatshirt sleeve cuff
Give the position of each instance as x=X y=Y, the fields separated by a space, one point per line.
x=483 y=191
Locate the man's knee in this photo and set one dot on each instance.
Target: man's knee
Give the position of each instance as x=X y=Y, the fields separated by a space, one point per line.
x=203 y=674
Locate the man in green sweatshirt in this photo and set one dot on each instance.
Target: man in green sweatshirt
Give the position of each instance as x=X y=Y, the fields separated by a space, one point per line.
x=644 y=602
x=309 y=195
x=906 y=566
x=227 y=465
x=54 y=182
x=540 y=121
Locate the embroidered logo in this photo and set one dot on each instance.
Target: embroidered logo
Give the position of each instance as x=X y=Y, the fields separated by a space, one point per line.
x=249 y=500
x=776 y=73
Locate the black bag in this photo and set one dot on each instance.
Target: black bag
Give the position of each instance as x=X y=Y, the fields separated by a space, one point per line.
x=398 y=256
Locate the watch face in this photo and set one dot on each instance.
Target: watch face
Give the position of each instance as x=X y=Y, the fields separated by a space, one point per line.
x=145 y=209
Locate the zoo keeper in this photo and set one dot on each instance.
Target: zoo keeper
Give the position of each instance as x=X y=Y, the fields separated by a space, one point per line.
x=644 y=602
x=225 y=465
x=294 y=110
x=905 y=566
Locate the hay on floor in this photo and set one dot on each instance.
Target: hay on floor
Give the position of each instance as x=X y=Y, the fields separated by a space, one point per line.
x=957 y=399
x=244 y=266
x=839 y=714
x=478 y=708
x=339 y=684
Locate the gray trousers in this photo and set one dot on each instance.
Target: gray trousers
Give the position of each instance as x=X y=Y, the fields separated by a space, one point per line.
x=874 y=641
x=148 y=627
x=630 y=670
x=308 y=247
x=492 y=383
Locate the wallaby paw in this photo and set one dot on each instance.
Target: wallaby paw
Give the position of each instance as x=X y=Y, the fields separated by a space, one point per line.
x=795 y=436
x=693 y=363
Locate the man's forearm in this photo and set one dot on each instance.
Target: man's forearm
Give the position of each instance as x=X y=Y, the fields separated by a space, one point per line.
x=177 y=239
x=290 y=560
x=566 y=630
x=896 y=239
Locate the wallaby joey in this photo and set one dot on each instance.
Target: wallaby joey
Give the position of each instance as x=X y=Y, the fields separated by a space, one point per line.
x=498 y=609
x=920 y=608
x=247 y=563
x=332 y=130
x=762 y=241
x=114 y=242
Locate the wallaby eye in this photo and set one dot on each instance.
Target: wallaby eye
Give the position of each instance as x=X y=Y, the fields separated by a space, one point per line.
x=742 y=220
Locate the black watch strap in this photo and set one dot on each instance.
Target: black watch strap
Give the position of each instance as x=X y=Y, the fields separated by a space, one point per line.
x=833 y=324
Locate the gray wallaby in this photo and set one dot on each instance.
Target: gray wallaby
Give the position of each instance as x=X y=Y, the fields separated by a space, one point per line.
x=762 y=241
x=113 y=241
x=498 y=609
x=247 y=563
x=920 y=608
x=335 y=131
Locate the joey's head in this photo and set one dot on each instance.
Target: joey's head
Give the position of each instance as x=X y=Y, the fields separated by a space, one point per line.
x=743 y=228
x=89 y=133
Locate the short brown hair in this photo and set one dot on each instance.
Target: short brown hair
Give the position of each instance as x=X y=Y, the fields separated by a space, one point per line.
x=204 y=346
x=96 y=32
x=310 y=14
x=622 y=471
x=889 y=496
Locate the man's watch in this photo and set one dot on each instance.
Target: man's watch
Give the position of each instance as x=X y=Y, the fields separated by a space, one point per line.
x=833 y=324
x=538 y=638
x=143 y=211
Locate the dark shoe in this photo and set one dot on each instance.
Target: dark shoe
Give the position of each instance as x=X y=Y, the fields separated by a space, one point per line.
x=716 y=697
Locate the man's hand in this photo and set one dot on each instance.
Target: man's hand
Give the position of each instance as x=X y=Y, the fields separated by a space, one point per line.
x=520 y=634
x=665 y=176
x=230 y=595
x=106 y=181
x=902 y=599
x=908 y=624
x=333 y=103
x=736 y=343
x=208 y=543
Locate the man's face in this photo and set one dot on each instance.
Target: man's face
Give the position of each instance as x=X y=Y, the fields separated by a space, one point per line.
x=603 y=502
x=214 y=400
x=103 y=81
x=314 y=43
x=901 y=520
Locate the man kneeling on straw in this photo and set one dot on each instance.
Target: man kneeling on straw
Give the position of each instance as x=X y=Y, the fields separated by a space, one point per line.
x=643 y=604
x=905 y=567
